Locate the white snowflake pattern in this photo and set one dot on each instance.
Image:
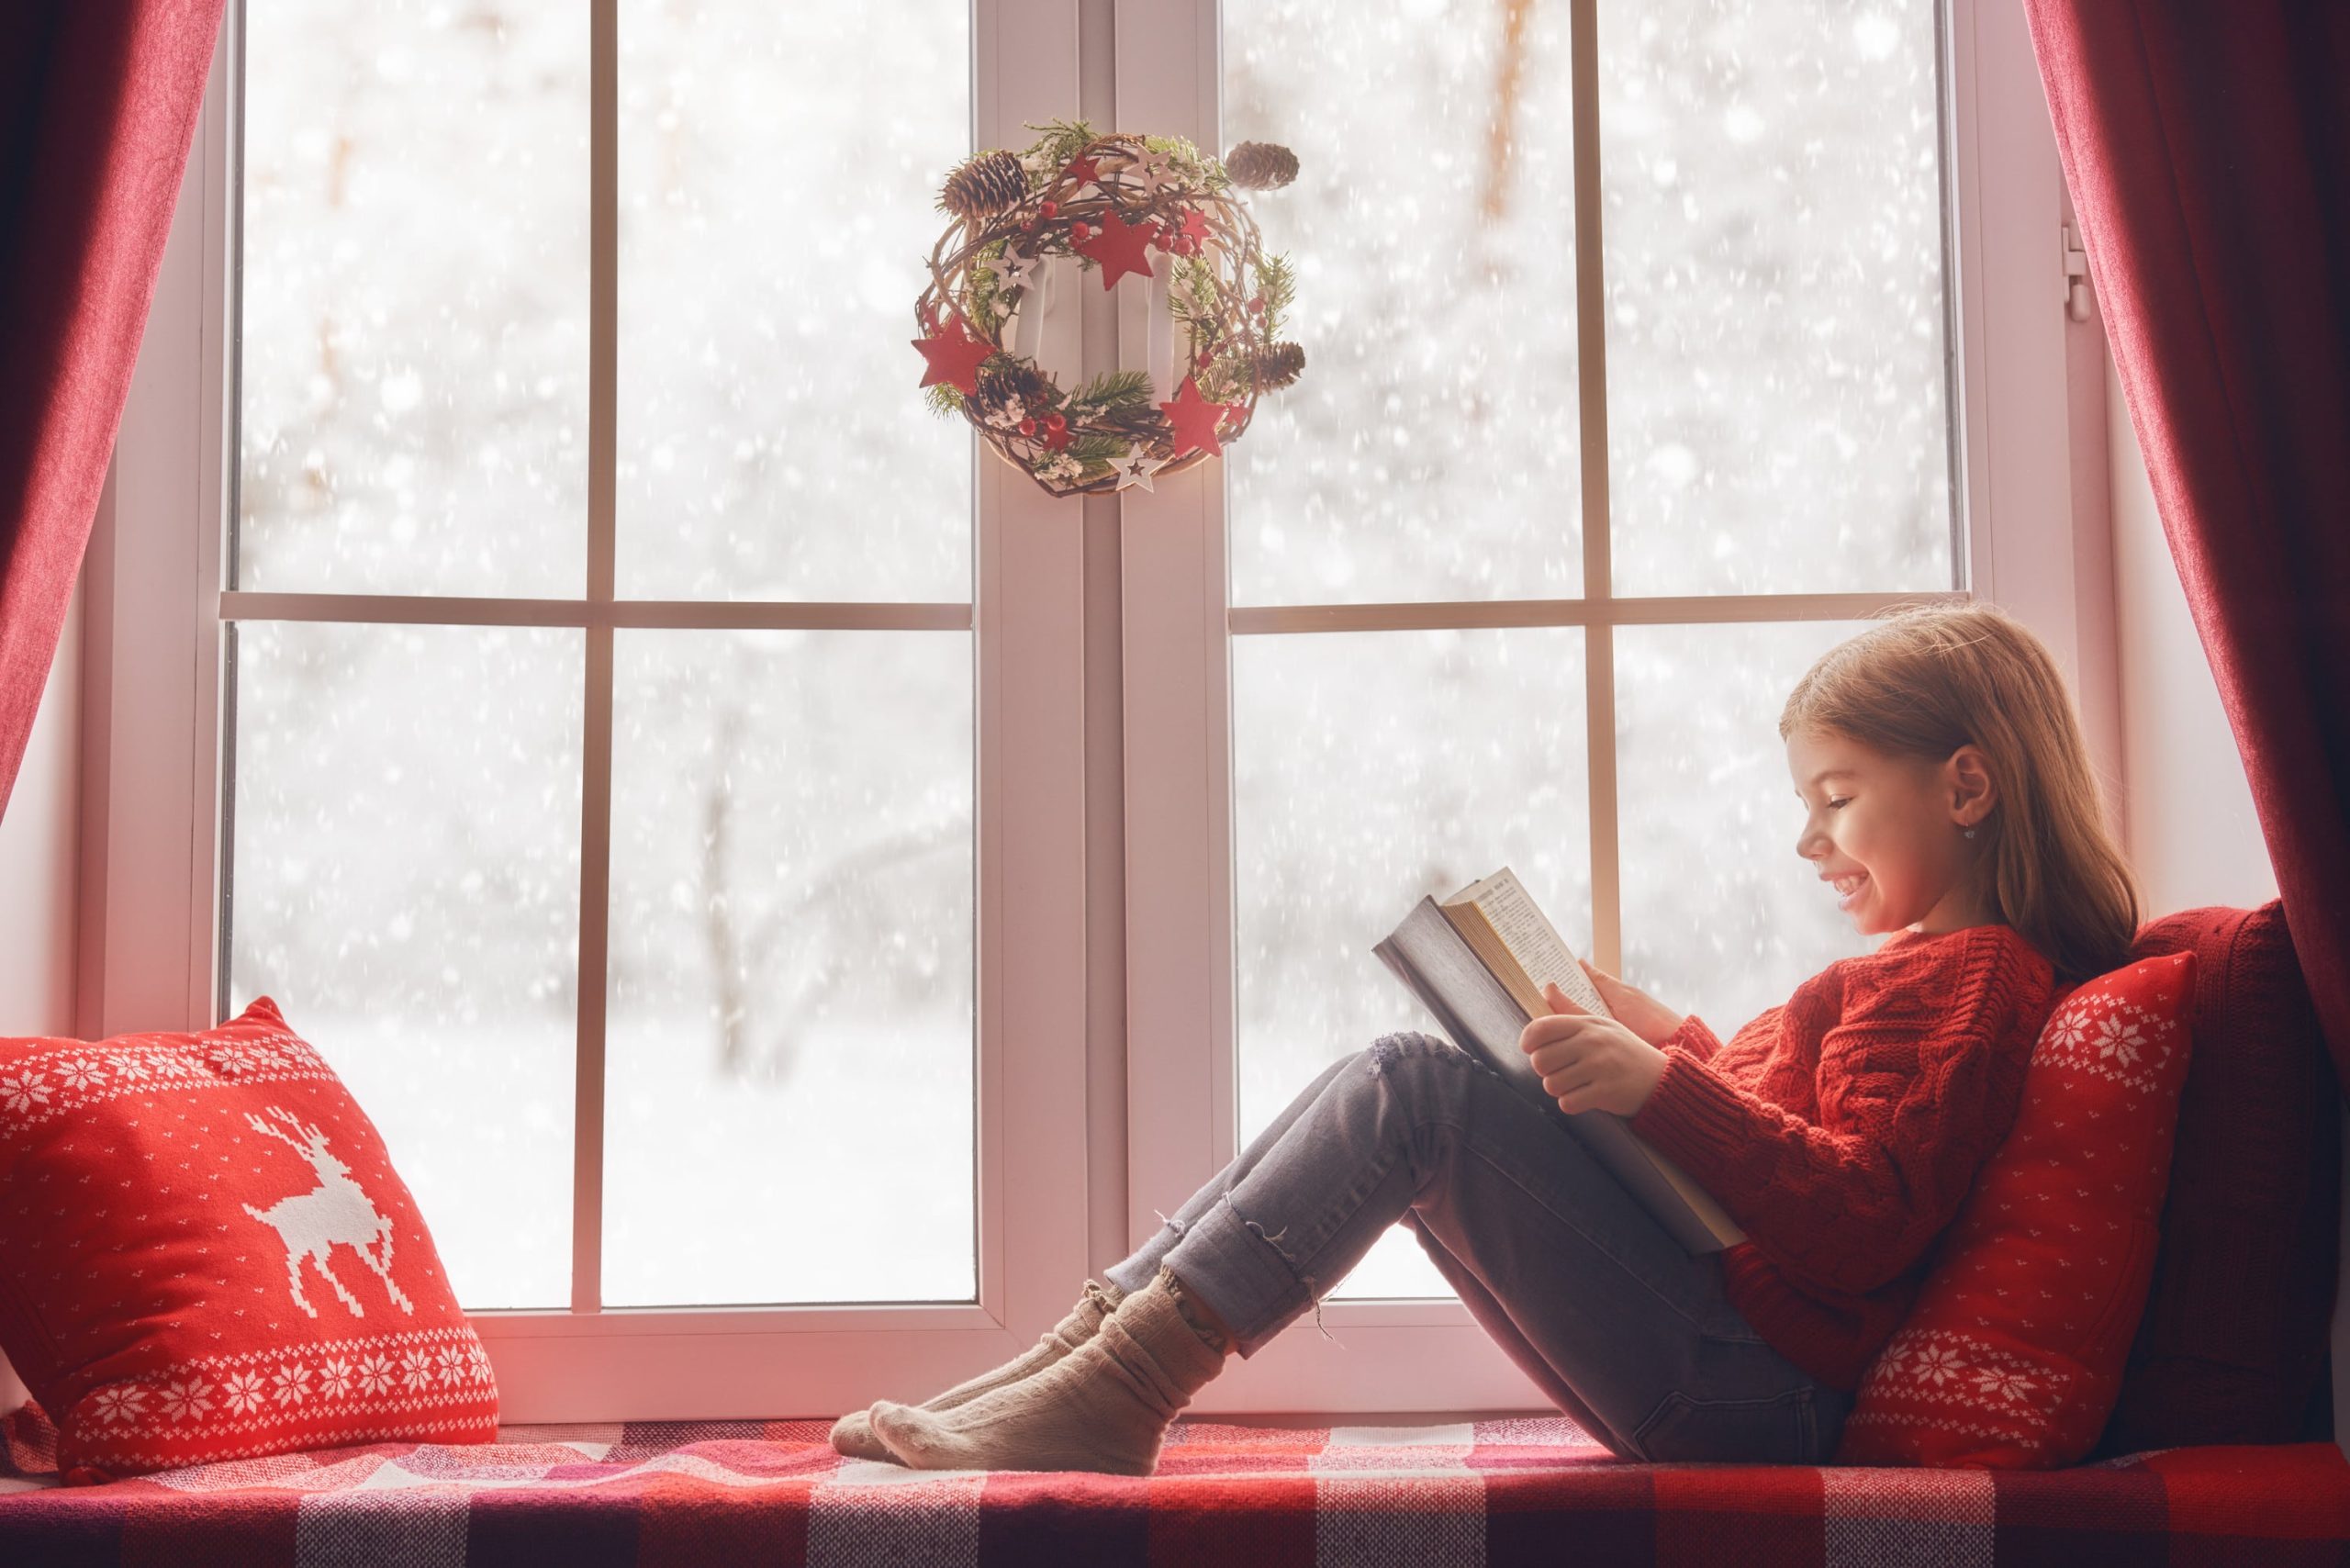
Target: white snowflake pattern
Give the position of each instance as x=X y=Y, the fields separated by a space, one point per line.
x=1936 y=1363
x=242 y=1391
x=120 y=1403
x=452 y=1366
x=23 y=1091
x=2119 y=1038
x=292 y=1382
x=416 y=1368
x=79 y=1072
x=477 y=1361
x=2070 y=1031
x=130 y=1067
x=2006 y=1381
x=186 y=1399
x=232 y=1057
x=336 y=1377
x=376 y=1374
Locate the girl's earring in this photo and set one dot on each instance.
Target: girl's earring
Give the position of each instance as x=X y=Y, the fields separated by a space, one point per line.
x=1970 y=833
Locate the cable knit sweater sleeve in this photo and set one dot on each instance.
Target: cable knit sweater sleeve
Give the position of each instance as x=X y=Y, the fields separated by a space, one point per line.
x=1916 y=1076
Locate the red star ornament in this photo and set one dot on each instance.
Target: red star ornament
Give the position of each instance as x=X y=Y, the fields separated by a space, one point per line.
x=1082 y=171
x=954 y=355
x=1195 y=223
x=1194 y=419
x=1118 y=246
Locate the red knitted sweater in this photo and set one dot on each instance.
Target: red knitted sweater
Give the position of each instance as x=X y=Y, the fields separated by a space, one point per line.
x=1843 y=1128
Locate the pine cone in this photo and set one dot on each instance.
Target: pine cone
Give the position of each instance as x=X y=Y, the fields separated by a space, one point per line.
x=985 y=186
x=1260 y=165
x=1279 y=366
x=998 y=385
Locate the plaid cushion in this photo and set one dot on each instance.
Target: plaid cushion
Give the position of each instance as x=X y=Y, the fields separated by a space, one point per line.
x=1507 y=1492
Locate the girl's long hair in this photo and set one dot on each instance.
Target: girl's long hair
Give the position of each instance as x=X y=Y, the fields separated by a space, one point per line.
x=1929 y=679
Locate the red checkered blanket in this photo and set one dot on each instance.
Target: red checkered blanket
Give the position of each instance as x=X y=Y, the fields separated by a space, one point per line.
x=1534 y=1491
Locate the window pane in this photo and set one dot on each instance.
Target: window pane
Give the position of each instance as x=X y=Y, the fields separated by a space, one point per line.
x=413 y=385
x=404 y=882
x=792 y=969
x=1776 y=417
x=1431 y=449
x=778 y=179
x=1371 y=768
x=1721 y=917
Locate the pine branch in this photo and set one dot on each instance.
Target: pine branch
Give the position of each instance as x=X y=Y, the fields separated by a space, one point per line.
x=1115 y=388
x=1097 y=449
x=1063 y=140
x=944 y=397
x=1277 y=281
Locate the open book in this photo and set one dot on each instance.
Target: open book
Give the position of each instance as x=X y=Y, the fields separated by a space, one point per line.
x=1477 y=960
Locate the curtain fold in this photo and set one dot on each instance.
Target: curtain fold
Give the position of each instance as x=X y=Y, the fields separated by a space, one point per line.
x=2207 y=148
x=98 y=105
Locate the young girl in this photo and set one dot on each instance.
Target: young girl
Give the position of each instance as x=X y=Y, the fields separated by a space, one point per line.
x=1948 y=799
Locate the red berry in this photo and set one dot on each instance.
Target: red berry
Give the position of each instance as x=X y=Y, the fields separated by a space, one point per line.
x=1055 y=422
x=1028 y=427
x=1050 y=207
x=1080 y=231
x=1258 y=303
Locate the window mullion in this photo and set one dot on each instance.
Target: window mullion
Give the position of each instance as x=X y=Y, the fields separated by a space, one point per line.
x=1591 y=395
x=596 y=791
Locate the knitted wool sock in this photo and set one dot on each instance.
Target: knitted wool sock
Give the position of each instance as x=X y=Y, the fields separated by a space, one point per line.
x=1106 y=1405
x=853 y=1433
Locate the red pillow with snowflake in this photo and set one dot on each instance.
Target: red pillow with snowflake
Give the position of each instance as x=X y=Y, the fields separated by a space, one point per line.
x=205 y=1255
x=2011 y=1355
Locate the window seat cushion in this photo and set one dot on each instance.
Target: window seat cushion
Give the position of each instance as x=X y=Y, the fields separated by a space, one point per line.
x=1534 y=1491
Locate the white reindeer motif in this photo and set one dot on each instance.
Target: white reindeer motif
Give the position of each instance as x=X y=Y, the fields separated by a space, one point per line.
x=311 y=1222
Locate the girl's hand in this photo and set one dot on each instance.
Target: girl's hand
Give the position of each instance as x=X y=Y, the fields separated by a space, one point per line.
x=1588 y=1062
x=1637 y=1011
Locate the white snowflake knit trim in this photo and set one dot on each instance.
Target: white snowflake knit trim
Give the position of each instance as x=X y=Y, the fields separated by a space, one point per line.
x=39 y=1088
x=329 y=1383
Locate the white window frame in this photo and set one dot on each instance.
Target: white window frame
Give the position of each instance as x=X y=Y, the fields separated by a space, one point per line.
x=2016 y=432
x=153 y=725
x=2033 y=521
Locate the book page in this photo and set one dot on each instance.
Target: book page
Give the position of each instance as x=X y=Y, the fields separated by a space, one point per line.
x=1519 y=922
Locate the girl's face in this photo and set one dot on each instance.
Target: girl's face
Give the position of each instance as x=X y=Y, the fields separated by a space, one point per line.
x=1887 y=833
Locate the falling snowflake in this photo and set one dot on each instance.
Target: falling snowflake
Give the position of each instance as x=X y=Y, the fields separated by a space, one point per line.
x=185 y=1399
x=293 y=1384
x=2119 y=1038
x=79 y=1072
x=243 y=1391
x=376 y=1374
x=336 y=1377
x=119 y=1403
x=22 y=1091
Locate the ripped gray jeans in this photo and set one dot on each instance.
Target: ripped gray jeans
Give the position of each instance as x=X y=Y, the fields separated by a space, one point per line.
x=1617 y=1325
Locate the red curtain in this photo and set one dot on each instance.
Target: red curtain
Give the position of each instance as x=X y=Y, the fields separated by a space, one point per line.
x=98 y=104
x=2207 y=147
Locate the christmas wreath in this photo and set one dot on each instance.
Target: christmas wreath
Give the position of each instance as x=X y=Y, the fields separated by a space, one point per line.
x=1106 y=202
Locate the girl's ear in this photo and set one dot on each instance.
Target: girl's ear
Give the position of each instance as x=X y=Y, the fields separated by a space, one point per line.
x=1972 y=794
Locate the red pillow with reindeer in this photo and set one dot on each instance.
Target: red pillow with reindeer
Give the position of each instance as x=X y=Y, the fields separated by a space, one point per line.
x=205 y=1255
x=2012 y=1354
